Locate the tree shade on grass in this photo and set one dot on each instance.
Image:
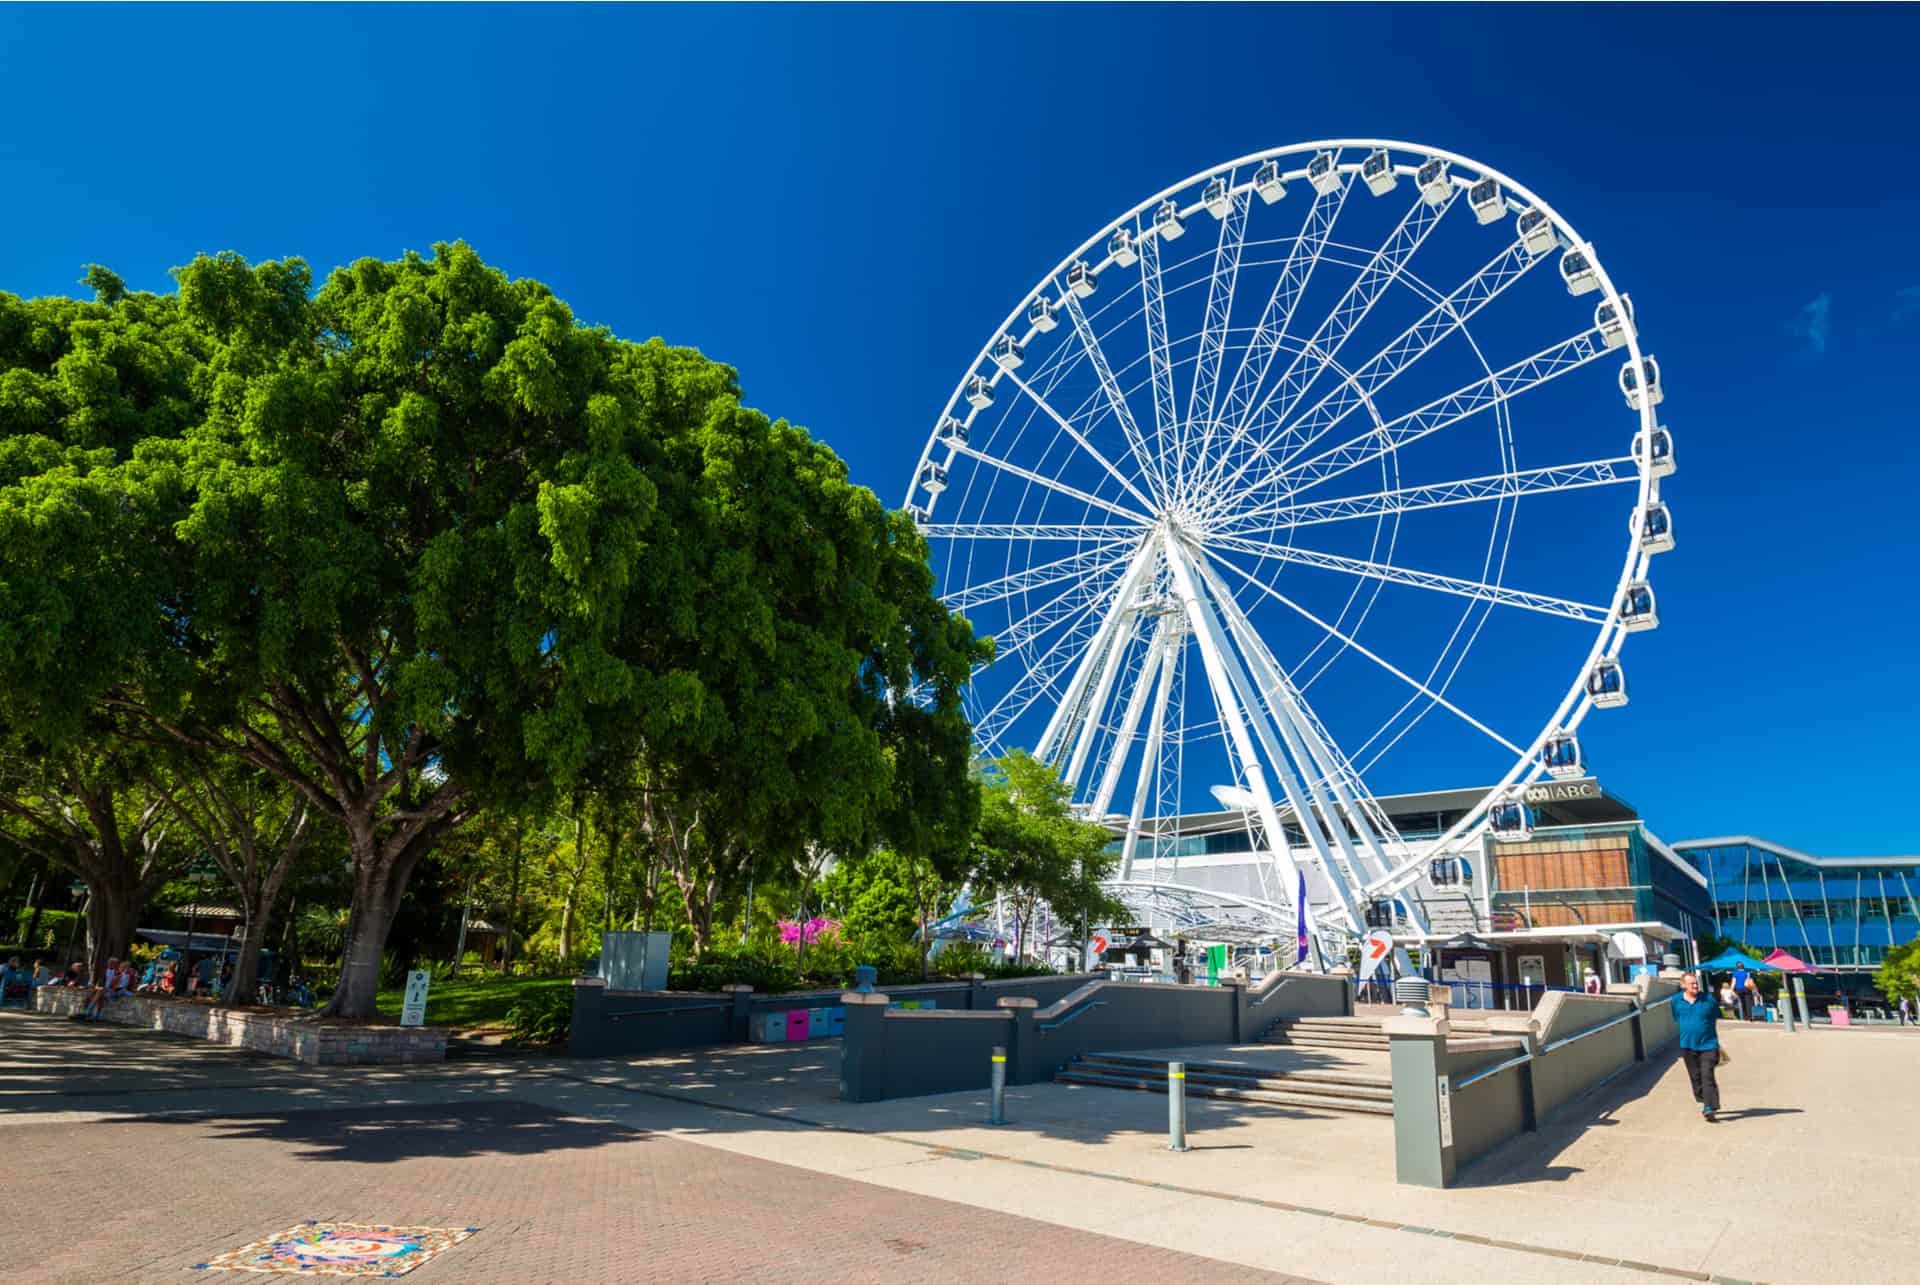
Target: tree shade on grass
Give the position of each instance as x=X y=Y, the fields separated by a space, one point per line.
x=475 y=1003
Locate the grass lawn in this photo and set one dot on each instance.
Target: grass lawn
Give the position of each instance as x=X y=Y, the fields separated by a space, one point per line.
x=474 y=1001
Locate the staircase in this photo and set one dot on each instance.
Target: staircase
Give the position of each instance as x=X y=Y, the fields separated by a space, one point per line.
x=1352 y=1092
x=1349 y=1034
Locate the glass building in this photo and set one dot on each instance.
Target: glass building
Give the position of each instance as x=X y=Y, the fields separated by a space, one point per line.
x=1839 y=914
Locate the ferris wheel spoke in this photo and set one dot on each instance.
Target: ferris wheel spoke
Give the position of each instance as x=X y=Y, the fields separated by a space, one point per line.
x=1073 y=567
x=1474 y=490
x=1443 y=319
x=1213 y=331
x=1027 y=531
x=1149 y=461
x=1066 y=426
x=1381 y=271
x=1039 y=678
x=1153 y=309
x=1019 y=636
x=1277 y=317
x=1052 y=484
x=1443 y=412
x=1545 y=604
x=1362 y=650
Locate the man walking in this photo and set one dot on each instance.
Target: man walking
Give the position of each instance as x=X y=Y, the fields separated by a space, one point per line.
x=1698 y=1018
x=1743 y=993
x=1906 y=1010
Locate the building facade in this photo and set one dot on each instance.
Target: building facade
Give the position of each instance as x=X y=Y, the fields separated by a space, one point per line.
x=1839 y=914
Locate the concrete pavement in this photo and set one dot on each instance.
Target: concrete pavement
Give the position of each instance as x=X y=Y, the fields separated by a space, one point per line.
x=1633 y=1180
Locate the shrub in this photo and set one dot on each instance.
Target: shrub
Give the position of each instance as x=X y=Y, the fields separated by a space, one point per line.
x=543 y=1016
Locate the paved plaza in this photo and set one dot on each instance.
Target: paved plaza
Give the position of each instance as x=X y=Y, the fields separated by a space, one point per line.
x=134 y=1156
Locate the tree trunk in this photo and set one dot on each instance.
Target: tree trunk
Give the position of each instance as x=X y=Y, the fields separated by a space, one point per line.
x=380 y=875
x=246 y=969
x=513 y=898
x=38 y=896
x=111 y=912
x=360 y=956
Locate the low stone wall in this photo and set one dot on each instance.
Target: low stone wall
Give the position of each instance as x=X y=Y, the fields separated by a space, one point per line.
x=301 y=1039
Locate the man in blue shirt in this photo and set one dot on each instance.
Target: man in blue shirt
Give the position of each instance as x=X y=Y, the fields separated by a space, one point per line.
x=1741 y=995
x=1698 y=1018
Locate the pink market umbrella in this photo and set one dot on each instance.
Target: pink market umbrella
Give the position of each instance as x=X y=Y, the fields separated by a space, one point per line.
x=1786 y=963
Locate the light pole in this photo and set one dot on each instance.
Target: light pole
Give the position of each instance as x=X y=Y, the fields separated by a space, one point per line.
x=200 y=878
x=78 y=887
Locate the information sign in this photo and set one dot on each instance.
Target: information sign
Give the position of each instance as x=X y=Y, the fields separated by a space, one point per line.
x=413 y=1007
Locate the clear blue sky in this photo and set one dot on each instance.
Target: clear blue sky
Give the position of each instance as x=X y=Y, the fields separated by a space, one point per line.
x=841 y=202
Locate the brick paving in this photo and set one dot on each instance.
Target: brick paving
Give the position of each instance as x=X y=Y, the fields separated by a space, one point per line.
x=559 y=1197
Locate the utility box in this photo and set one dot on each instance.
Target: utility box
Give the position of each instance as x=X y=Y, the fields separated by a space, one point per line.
x=769 y=1028
x=635 y=961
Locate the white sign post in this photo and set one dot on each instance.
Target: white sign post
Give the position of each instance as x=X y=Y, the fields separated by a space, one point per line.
x=413 y=1008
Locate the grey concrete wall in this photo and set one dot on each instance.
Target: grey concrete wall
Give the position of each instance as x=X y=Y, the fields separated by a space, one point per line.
x=1577 y=1042
x=903 y=1054
x=1487 y=1113
x=1279 y=996
x=894 y=1054
x=1563 y=1074
x=611 y=1023
x=1125 y=1015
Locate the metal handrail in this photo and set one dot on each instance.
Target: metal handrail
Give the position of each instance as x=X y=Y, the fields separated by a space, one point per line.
x=1478 y=1076
x=1062 y=1021
x=1565 y=1040
x=664 y=1012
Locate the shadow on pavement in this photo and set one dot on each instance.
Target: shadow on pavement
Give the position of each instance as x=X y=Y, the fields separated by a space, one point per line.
x=409 y=1131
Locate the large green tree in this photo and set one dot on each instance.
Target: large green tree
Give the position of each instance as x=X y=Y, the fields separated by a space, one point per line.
x=1030 y=848
x=419 y=542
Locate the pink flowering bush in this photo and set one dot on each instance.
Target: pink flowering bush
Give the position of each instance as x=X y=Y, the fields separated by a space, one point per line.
x=793 y=932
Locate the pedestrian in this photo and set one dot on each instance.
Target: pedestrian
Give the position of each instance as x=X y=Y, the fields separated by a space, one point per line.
x=1906 y=1010
x=96 y=1002
x=1698 y=1018
x=1750 y=998
x=1728 y=1003
x=1593 y=986
x=1741 y=993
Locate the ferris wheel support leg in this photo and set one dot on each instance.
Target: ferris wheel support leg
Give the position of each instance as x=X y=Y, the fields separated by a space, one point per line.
x=1149 y=761
x=1109 y=670
x=1143 y=685
x=1221 y=674
x=1298 y=731
x=1283 y=752
x=1049 y=744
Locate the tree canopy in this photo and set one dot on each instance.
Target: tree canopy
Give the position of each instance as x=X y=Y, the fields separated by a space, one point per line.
x=419 y=542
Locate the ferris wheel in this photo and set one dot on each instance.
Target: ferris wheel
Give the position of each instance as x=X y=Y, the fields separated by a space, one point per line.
x=1328 y=472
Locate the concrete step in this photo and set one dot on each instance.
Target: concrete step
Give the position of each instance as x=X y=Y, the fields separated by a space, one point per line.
x=1210 y=1087
x=1306 y=1040
x=1358 y=1085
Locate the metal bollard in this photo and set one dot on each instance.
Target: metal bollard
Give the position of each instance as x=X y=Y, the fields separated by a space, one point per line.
x=1176 y=1106
x=999 y=1086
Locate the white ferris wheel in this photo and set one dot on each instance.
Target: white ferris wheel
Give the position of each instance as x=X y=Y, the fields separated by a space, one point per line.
x=1328 y=472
